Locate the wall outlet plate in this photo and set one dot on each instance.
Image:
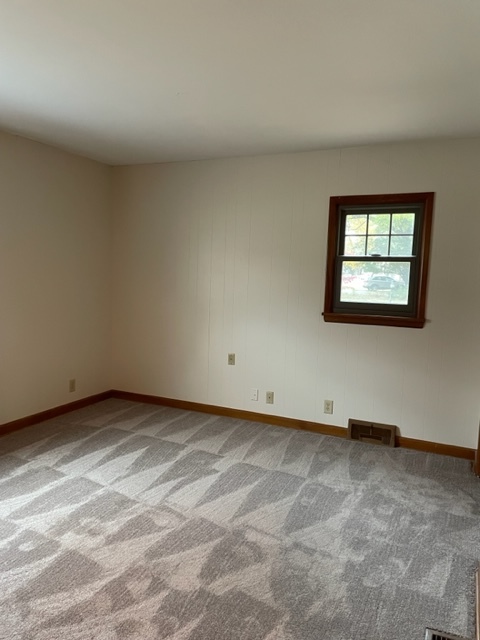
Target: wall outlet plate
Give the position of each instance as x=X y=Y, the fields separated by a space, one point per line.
x=269 y=397
x=328 y=406
x=231 y=358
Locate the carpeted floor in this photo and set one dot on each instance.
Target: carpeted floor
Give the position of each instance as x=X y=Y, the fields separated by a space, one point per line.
x=138 y=522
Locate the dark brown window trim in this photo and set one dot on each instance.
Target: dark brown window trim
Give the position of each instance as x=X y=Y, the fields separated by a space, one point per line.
x=353 y=317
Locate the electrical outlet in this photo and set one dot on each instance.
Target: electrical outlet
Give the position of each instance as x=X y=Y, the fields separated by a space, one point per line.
x=231 y=358
x=72 y=385
x=269 y=397
x=254 y=394
x=328 y=406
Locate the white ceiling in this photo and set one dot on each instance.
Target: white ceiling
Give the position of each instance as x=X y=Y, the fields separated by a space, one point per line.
x=138 y=81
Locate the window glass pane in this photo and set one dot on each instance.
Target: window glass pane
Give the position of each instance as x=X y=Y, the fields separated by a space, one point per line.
x=375 y=282
x=379 y=223
x=403 y=223
x=401 y=245
x=356 y=224
x=352 y=280
x=377 y=245
x=355 y=245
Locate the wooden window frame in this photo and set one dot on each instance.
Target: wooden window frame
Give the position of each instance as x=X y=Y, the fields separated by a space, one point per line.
x=415 y=316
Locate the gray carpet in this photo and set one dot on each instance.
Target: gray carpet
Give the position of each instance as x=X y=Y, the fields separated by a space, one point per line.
x=136 y=522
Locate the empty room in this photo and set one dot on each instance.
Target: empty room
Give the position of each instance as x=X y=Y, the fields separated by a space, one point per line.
x=239 y=320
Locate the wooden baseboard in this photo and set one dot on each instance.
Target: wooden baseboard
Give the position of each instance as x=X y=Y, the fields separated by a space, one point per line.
x=436 y=447
x=293 y=423
x=253 y=416
x=35 y=418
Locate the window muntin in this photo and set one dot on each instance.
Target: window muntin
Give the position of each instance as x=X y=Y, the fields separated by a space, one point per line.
x=378 y=258
x=383 y=234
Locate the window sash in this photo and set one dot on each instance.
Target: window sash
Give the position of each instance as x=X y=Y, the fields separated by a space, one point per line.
x=373 y=307
x=416 y=208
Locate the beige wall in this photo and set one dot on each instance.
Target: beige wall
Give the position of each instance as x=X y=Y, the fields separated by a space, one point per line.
x=229 y=256
x=55 y=310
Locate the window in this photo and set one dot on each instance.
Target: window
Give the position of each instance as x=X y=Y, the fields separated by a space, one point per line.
x=377 y=259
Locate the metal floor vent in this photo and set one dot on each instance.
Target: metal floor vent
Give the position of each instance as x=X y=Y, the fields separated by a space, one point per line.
x=372 y=432
x=431 y=634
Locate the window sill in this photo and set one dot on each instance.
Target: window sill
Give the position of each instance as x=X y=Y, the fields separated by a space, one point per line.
x=387 y=321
